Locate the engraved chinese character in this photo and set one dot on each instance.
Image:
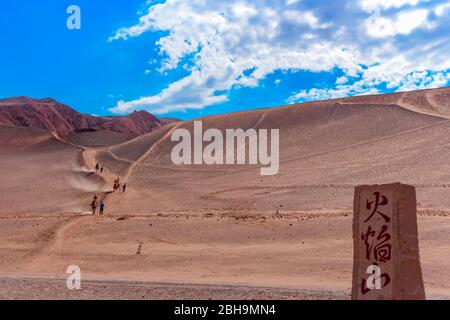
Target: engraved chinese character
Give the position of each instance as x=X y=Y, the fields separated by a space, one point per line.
x=380 y=200
x=377 y=244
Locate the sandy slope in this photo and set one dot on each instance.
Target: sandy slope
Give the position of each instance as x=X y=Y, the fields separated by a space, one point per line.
x=227 y=224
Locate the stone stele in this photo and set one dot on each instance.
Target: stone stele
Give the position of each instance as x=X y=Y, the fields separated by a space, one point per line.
x=386 y=262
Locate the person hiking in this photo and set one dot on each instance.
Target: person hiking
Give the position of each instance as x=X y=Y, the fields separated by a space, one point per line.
x=97 y=167
x=102 y=208
x=117 y=184
x=94 y=206
x=124 y=188
x=101 y=170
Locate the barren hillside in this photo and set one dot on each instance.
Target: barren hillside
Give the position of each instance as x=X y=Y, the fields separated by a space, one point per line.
x=227 y=224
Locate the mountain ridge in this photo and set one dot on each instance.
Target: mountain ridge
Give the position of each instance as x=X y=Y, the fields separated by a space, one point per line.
x=51 y=115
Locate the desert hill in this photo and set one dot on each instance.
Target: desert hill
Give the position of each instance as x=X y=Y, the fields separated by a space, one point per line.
x=326 y=148
x=56 y=117
x=227 y=224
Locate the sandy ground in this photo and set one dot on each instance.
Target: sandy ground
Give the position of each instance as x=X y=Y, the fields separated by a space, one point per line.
x=199 y=232
x=55 y=289
x=285 y=253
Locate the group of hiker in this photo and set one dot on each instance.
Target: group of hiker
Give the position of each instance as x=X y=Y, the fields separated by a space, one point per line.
x=98 y=168
x=116 y=185
x=95 y=204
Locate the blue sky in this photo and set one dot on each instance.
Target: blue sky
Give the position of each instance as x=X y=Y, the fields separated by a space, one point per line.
x=190 y=58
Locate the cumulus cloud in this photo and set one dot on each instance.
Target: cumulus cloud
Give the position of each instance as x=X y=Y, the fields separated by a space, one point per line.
x=341 y=80
x=340 y=91
x=289 y=2
x=370 y=5
x=442 y=9
x=304 y=18
x=236 y=43
x=402 y=24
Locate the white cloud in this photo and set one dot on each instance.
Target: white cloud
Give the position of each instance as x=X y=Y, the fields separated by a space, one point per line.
x=188 y=93
x=304 y=18
x=234 y=43
x=340 y=91
x=442 y=9
x=424 y=80
x=404 y=23
x=342 y=80
x=290 y=2
x=401 y=82
x=370 y=5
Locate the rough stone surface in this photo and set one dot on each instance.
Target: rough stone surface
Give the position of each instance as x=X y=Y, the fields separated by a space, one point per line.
x=386 y=237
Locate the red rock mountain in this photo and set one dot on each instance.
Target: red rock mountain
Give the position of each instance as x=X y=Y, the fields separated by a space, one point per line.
x=51 y=115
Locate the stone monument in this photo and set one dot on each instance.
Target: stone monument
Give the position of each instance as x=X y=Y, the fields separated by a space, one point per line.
x=386 y=262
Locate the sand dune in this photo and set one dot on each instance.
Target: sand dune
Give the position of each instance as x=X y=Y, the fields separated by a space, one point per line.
x=326 y=149
x=228 y=224
x=94 y=138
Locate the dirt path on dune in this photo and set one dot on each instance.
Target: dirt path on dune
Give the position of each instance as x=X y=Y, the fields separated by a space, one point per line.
x=150 y=150
x=57 y=236
x=54 y=244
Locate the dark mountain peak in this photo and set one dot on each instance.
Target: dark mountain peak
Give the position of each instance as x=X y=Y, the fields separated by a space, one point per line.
x=47 y=100
x=49 y=114
x=142 y=114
